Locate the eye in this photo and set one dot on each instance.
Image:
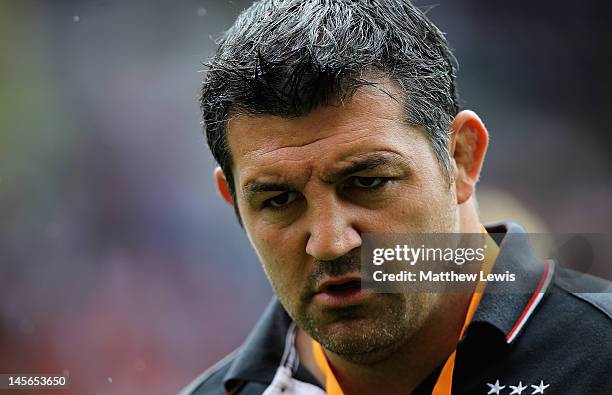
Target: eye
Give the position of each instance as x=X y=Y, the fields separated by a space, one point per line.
x=282 y=200
x=367 y=182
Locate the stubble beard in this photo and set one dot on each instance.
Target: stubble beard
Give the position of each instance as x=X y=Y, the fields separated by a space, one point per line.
x=375 y=338
x=363 y=334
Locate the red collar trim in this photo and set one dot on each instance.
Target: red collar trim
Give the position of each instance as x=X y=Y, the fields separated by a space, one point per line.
x=535 y=300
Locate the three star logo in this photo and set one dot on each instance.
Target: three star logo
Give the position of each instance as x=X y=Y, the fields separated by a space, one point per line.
x=495 y=389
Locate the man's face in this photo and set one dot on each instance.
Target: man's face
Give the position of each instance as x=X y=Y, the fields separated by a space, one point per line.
x=307 y=188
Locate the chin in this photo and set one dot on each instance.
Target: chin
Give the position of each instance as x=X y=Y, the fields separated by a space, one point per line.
x=363 y=341
x=369 y=332
x=361 y=337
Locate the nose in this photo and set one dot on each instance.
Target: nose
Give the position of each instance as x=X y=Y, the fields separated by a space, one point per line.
x=331 y=233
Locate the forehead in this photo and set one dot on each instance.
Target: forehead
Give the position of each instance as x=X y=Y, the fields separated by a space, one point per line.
x=373 y=120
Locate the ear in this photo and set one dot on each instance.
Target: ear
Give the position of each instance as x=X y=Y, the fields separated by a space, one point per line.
x=223 y=187
x=469 y=143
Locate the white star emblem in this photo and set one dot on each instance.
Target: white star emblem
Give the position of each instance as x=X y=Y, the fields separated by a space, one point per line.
x=518 y=389
x=495 y=388
x=539 y=389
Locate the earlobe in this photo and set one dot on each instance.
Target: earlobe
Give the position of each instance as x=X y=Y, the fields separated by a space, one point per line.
x=223 y=187
x=468 y=148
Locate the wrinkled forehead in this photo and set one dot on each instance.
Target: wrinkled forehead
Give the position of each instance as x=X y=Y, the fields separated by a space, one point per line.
x=366 y=131
x=371 y=115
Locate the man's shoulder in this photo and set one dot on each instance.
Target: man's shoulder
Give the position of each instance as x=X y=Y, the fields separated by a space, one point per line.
x=586 y=294
x=572 y=332
x=577 y=318
x=214 y=381
x=599 y=302
x=211 y=381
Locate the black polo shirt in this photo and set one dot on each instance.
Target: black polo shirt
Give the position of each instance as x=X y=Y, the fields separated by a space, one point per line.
x=551 y=340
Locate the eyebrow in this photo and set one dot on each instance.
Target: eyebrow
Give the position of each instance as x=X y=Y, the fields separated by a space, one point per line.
x=369 y=161
x=364 y=162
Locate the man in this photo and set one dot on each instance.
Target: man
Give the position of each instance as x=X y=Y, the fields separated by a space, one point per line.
x=332 y=119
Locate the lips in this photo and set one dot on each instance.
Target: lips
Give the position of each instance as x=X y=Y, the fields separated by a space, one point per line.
x=339 y=284
x=341 y=292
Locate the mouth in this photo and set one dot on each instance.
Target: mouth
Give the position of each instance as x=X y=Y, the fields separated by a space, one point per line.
x=351 y=285
x=340 y=292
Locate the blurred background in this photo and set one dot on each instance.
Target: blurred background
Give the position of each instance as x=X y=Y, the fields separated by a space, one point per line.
x=121 y=267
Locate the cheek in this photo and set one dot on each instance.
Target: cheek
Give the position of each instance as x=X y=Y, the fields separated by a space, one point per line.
x=426 y=205
x=281 y=256
x=271 y=243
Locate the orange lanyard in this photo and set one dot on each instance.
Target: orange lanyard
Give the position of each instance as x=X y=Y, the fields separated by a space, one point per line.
x=445 y=379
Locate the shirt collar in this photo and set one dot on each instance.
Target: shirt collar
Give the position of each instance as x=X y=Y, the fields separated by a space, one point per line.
x=503 y=308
